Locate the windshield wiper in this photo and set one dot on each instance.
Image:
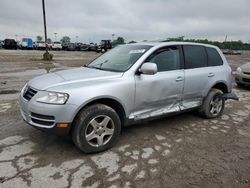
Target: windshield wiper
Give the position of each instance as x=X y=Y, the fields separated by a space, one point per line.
x=98 y=66
x=91 y=67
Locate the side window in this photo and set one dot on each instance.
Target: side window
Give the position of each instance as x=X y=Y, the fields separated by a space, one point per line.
x=214 y=58
x=166 y=59
x=195 y=56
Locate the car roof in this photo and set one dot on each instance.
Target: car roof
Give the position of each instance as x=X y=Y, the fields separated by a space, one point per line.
x=161 y=44
x=9 y=39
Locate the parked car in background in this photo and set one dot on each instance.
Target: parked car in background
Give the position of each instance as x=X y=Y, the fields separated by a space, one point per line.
x=1 y=44
x=34 y=45
x=104 y=46
x=40 y=45
x=50 y=44
x=9 y=44
x=242 y=75
x=128 y=84
x=56 y=46
x=81 y=47
x=71 y=47
x=92 y=47
x=18 y=43
x=65 y=46
x=27 y=43
x=231 y=52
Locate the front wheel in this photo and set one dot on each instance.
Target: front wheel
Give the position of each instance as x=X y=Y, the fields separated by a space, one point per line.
x=96 y=128
x=213 y=104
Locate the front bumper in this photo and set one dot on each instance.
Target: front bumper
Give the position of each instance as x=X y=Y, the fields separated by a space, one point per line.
x=242 y=78
x=47 y=116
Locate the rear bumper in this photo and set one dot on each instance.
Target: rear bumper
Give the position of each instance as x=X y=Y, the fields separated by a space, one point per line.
x=232 y=96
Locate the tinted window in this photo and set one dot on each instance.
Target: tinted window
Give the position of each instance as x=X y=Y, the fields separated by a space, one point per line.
x=195 y=56
x=166 y=59
x=214 y=58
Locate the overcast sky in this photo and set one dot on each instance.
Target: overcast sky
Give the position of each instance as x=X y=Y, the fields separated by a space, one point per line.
x=93 y=20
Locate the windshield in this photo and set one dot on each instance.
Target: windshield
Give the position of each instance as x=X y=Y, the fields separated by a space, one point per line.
x=120 y=58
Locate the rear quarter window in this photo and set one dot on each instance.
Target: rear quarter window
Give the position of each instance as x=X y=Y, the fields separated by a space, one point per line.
x=195 y=56
x=214 y=58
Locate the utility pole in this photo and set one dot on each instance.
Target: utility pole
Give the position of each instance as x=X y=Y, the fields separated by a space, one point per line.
x=45 y=27
x=46 y=55
x=55 y=36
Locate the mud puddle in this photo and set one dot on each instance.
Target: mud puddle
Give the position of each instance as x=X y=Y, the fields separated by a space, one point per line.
x=6 y=97
x=43 y=69
x=3 y=92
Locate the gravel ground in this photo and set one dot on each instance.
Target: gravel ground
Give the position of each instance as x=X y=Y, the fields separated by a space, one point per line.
x=180 y=151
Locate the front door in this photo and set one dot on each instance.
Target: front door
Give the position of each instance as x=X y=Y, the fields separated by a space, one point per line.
x=160 y=93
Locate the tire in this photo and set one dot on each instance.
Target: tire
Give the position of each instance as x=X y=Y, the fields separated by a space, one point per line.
x=98 y=122
x=213 y=104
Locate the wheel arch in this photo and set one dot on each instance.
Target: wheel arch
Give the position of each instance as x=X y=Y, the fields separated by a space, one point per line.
x=109 y=101
x=221 y=86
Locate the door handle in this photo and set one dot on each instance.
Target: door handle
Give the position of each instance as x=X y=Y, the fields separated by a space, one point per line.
x=210 y=74
x=179 y=78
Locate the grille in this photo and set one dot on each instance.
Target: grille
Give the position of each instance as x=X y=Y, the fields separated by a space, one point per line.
x=29 y=93
x=246 y=80
x=246 y=73
x=43 y=120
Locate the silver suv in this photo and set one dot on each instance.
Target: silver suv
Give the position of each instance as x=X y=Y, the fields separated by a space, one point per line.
x=128 y=84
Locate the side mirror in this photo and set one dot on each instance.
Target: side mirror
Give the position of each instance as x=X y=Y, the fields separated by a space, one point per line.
x=148 y=68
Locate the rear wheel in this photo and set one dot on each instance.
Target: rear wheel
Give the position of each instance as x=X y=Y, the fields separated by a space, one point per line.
x=96 y=128
x=213 y=104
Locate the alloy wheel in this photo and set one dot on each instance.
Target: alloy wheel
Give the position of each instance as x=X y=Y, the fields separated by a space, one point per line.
x=99 y=131
x=216 y=105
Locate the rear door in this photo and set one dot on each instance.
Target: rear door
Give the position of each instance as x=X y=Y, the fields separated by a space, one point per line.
x=215 y=65
x=160 y=93
x=197 y=75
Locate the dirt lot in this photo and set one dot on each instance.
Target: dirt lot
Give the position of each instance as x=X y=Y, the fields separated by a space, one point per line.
x=180 y=151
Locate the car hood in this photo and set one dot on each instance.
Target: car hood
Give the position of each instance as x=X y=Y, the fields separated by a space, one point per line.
x=246 y=67
x=82 y=74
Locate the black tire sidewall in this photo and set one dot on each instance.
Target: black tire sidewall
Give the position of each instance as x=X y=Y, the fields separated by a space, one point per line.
x=206 y=104
x=83 y=120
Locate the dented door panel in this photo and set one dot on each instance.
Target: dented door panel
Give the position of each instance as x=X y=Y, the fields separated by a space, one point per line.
x=197 y=83
x=158 y=94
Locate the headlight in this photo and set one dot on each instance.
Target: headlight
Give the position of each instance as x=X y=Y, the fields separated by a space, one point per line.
x=52 y=97
x=239 y=70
